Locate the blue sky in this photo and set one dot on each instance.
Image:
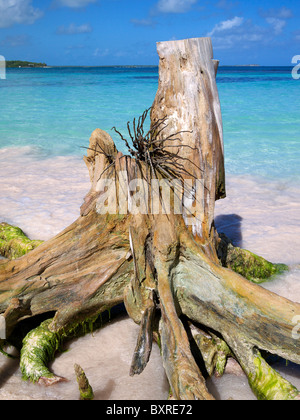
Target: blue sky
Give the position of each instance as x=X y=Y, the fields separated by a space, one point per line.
x=125 y=32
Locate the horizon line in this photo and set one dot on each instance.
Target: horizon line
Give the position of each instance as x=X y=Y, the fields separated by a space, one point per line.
x=143 y=65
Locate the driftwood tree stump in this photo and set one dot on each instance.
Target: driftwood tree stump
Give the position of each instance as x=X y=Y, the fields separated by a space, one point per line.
x=156 y=251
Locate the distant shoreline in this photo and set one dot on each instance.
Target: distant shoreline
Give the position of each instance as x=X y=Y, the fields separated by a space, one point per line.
x=246 y=65
x=15 y=64
x=45 y=66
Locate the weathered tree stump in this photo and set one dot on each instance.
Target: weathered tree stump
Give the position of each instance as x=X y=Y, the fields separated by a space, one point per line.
x=156 y=251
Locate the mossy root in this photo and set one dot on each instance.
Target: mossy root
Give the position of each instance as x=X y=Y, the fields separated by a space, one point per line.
x=39 y=348
x=14 y=243
x=85 y=389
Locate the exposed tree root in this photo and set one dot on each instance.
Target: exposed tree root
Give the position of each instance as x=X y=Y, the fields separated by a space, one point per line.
x=163 y=265
x=213 y=349
x=249 y=265
x=39 y=348
x=85 y=389
x=170 y=274
x=265 y=382
x=41 y=344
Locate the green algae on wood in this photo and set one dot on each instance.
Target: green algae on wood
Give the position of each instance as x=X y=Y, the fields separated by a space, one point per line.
x=223 y=352
x=246 y=263
x=39 y=348
x=267 y=384
x=213 y=349
x=85 y=389
x=41 y=344
x=14 y=243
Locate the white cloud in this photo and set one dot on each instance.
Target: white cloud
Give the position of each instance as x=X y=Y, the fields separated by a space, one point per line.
x=277 y=18
x=238 y=33
x=101 y=53
x=18 y=12
x=15 y=40
x=174 y=6
x=73 y=29
x=277 y=24
x=242 y=40
x=243 y=33
x=297 y=35
x=226 y=5
x=283 y=13
x=143 y=22
x=74 y=3
x=226 y=25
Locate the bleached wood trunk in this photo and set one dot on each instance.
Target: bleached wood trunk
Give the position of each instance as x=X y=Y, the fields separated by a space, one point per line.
x=188 y=95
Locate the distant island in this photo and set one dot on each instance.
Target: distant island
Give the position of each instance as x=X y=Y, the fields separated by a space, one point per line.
x=27 y=64
x=242 y=65
x=248 y=65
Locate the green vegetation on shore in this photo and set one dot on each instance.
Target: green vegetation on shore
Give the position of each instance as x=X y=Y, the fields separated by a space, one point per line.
x=18 y=63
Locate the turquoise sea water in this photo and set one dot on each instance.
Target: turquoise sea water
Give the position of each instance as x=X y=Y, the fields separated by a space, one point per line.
x=55 y=110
